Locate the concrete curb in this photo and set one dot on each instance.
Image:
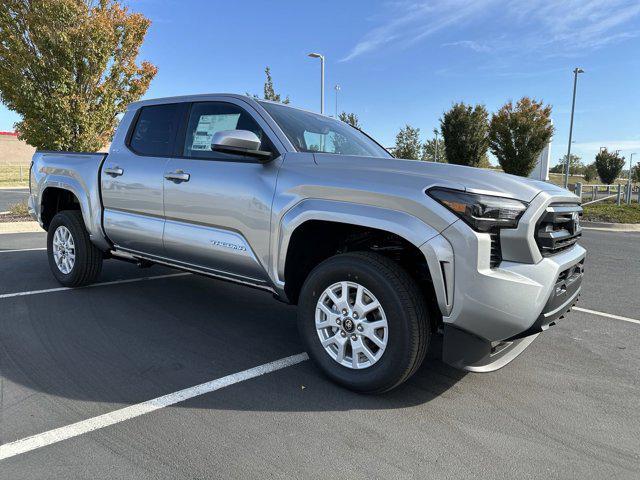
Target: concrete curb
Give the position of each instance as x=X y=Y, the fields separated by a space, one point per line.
x=611 y=227
x=20 y=227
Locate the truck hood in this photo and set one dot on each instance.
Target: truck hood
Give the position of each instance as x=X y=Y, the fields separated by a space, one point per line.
x=477 y=180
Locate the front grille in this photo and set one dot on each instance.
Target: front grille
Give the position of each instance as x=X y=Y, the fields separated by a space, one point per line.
x=496 y=252
x=559 y=228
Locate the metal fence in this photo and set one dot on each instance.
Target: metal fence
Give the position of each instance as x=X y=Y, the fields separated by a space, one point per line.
x=621 y=193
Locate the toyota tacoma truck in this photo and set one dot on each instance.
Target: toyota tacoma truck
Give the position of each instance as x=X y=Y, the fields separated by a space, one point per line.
x=379 y=254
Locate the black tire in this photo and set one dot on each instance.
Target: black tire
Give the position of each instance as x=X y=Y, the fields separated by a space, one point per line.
x=404 y=307
x=88 y=258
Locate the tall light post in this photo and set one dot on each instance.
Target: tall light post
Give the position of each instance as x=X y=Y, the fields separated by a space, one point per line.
x=321 y=57
x=629 y=180
x=576 y=71
x=337 y=89
x=435 y=130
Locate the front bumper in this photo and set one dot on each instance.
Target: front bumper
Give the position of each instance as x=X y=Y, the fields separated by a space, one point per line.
x=494 y=313
x=470 y=352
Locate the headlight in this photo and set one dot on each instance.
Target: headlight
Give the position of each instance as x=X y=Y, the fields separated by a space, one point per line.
x=483 y=213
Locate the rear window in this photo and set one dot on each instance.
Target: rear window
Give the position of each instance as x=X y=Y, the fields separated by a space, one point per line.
x=155 y=130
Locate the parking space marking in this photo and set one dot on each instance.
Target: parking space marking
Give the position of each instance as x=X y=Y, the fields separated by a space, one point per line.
x=85 y=426
x=23 y=250
x=102 y=284
x=608 y=315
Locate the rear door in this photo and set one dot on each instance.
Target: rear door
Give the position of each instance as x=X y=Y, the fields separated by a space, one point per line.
x=132 y=179
x=218 y=205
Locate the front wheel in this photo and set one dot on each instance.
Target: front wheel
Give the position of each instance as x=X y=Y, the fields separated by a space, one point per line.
x=364 y=321
x=73 y=259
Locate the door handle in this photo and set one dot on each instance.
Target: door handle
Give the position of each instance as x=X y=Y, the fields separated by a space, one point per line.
x=114 y=171
x=178 y=176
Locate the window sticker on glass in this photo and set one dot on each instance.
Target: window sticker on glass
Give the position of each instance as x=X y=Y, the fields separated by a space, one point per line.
x=210 y=124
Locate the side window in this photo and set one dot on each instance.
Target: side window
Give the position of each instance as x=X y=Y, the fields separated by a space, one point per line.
x=207 y=118
x=155 y=130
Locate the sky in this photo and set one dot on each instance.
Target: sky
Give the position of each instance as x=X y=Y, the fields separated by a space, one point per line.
x=400 y=62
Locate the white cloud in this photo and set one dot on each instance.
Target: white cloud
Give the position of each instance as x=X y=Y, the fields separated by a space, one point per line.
x=470 y=44
x=548 y=27
x=412 y=21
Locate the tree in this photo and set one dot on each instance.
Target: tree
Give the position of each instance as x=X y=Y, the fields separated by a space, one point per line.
x=429 y=151
x=517 y=134
x=269 y=91
x=609 y=165
x=465 y=133
x=575 y=165
x=68 y=68
x=351 y=119
x=590 y=172
x=408 y=143
x=340 y=143
x=635 y=173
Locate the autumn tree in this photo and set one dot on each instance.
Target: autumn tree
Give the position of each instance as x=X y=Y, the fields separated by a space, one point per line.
x=351 y=119
x=609 y=165
x=68 y=68
x=465 y=133
x=518 y=133
x=408 y=144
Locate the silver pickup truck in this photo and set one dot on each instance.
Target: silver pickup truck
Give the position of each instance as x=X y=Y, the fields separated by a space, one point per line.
x=379 y=254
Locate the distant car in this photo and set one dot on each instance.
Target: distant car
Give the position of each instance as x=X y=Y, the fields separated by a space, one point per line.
x=378 y=253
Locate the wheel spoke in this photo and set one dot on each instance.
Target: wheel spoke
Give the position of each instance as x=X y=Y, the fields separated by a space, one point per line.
x=374 y=338
x=331 y=340
x=341 y=343
x=330 y=317
x=367 y=353
x=355 y=358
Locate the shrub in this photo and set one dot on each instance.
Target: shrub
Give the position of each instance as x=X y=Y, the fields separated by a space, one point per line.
x=465 y=133
x=609 y=165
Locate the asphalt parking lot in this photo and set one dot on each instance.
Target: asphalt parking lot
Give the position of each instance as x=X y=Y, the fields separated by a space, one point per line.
x=569 y=407
x=10 y=196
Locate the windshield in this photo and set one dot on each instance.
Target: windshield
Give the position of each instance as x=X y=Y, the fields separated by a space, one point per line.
x=309 y=132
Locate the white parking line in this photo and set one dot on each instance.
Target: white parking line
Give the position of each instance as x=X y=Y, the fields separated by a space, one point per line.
x=608 y=315
x=85 y=426
x=23 y=250
x=102 y=284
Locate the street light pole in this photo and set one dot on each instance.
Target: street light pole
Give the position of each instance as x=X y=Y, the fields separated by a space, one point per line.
x=435 y=130
x=576 y=71
x=321 y=57
x=629 y=180
x=337 y=89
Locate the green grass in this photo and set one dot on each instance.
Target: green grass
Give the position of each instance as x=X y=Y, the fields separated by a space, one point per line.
x=612 y=213
x=10 y=176
x=558 y=179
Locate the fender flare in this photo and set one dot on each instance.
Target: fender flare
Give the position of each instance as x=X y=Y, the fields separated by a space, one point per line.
x=412 y=229
x=91 y=208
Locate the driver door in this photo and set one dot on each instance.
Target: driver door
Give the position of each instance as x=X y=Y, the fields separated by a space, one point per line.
x=218 y=205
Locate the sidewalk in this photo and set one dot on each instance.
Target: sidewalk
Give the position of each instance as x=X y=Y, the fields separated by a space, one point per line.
x=20 y=227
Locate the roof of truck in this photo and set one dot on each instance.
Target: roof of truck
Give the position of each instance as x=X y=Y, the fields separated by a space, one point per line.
x=207 y=96
x=189 y=98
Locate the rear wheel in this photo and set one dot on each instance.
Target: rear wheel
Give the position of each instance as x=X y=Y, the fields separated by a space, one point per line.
x=73 y=259
x=364 y=321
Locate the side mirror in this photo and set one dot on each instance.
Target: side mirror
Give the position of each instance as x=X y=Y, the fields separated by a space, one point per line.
x=240 y=142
